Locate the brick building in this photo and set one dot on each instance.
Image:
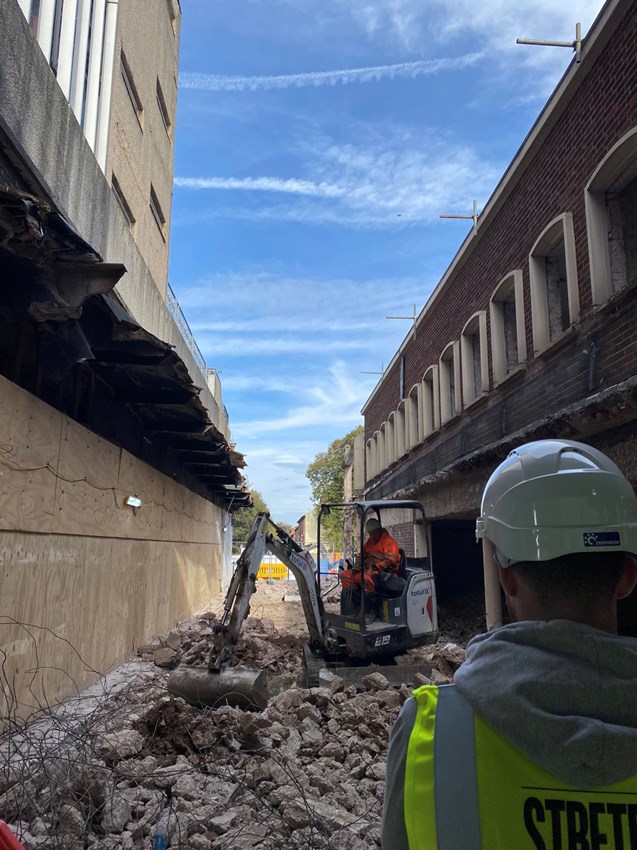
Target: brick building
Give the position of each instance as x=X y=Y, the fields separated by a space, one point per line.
x=531 y=331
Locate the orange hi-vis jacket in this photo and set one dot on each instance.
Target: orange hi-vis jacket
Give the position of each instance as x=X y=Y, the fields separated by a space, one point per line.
x=384 y=554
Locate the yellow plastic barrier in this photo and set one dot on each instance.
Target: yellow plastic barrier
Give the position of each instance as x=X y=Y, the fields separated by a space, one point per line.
x=272 y=571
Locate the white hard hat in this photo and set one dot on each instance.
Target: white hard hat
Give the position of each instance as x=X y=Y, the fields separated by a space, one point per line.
x=557 y=497
x=372 y=525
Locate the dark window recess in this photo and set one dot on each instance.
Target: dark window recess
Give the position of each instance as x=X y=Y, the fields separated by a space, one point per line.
x=476 y=375
x=163 y=109
x=622 y=235
x=557 y=292
x=448 y=384
x=123 y=203
x=156 y=210
x=34 y=17
x=57 y=28
x=129 y=85
x=509 y=319
x=172 y=15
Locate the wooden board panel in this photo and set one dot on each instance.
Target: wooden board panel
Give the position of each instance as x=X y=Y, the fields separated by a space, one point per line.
x=79 y=482
x=29 y=440
x=83 y=605
x=87 y=499
x=85 y=578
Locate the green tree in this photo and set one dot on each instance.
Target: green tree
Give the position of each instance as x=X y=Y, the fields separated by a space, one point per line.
x=242 y=520
x=325 y=474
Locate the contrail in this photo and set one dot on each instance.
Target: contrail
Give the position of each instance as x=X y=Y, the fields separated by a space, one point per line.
x=262 y=184
x=423 y=67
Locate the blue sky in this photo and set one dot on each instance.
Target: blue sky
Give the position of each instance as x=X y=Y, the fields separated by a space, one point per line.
x=317 y=143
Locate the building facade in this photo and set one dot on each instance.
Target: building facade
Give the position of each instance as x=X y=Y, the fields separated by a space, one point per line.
x=530 y=333
x=118 y=474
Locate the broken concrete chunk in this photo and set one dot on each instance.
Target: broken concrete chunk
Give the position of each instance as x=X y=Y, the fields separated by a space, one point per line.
x=116 y=814
x=190 y=786
x=437 y=678
x=270 y=769
x=166 y=657
x=375 y=682
x=120 y=745
x=377 y=770
x=71 y=820
x=222 y=823
x=309 y=712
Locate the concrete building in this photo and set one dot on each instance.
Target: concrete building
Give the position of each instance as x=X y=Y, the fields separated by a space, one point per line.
x=117 y=470
x=531 y=331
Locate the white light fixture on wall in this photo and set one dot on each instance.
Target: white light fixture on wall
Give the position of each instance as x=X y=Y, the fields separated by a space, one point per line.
x=134 y=501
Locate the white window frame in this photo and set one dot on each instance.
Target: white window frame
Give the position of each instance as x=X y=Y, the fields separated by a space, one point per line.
x=512 y=283
x=615 y=171
x=451 y=354
x=430 y=402
x=369 y=459
x=560 y=230
x=475 y=327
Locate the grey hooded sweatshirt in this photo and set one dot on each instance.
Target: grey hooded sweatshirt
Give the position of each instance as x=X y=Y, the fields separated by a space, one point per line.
x=563 y=693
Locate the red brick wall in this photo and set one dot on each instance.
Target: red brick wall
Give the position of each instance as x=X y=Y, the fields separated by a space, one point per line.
x=602 y=110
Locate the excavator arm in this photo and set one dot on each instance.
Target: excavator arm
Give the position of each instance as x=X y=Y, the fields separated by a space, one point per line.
x=266 y=535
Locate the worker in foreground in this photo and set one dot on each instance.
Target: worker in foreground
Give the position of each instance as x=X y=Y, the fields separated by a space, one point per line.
x=535 y=745
x=381 y=555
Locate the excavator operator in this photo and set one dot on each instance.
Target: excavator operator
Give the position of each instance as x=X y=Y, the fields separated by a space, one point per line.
x=380 y=555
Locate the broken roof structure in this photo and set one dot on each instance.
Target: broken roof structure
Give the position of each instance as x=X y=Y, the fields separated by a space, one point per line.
x=67 y=338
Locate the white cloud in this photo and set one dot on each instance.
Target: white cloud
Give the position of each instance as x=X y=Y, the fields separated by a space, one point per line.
x=391 y=177
x=272 y=346
x=266 y=301
x=315 y=79
x=284 y=486
x=492 y=24
x=261 y=184
x=287 y=440
x=336 y=397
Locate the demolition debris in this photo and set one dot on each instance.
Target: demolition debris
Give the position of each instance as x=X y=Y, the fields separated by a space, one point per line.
x=306 y=772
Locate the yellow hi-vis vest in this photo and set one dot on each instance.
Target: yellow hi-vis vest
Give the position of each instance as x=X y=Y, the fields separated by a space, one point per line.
x=466 y=788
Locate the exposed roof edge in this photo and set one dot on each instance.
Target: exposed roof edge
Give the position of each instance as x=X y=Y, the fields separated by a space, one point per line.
x=56 y=284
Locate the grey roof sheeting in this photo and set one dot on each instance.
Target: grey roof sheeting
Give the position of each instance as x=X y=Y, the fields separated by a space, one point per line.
x=56 y=285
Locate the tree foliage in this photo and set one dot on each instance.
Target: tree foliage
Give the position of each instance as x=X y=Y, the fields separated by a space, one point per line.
x=242 y=520
x=325 y=475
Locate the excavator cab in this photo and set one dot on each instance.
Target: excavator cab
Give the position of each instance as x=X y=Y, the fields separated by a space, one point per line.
x=401 y=612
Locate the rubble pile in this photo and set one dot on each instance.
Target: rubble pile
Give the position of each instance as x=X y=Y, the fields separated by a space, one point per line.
x=307 y=772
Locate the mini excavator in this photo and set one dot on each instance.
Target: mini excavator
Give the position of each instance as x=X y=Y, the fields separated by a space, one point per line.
x=368 y=628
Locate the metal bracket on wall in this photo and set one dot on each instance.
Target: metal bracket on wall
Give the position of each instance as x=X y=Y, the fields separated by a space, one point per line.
x=574 y=45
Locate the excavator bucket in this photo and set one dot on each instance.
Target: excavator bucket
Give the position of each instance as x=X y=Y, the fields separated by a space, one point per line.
x=238 y=687
x=234 y=686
